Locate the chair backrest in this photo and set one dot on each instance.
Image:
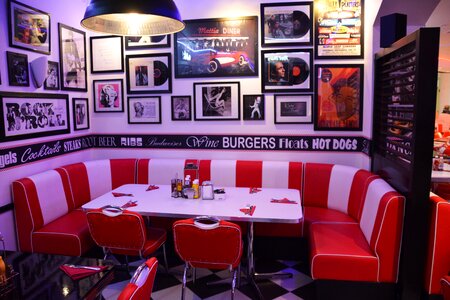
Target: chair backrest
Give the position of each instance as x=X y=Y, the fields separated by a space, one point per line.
x=213 y=244
x=141 y=284
x=117 y=230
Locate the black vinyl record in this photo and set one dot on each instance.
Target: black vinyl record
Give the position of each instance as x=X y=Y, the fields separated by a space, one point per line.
x=302 y=23
x=160 y=72
x=299 y=70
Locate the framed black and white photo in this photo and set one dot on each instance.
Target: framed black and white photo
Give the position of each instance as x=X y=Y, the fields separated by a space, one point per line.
x=30 y=115
x=52 y=80
x=253 y=107
x=287 y=70
x=80 y=109
x=149 y=73
x=144 y=110
x=147 y=42
x=286 y=24
x=72 y=58
x=29 y=28
x=18 y=69
x=181 y=108
x=106 y=54
x=293 y=109
x=217 y=48
x=339 y=30
x=108 y=95
x=217 y=101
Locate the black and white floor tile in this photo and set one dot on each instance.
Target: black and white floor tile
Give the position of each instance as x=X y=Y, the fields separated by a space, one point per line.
x=168 y=285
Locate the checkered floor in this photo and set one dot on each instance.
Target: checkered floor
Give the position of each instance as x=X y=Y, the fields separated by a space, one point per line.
x=168 y=286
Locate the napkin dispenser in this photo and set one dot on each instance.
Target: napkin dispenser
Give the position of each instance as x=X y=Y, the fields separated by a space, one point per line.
x=207 y=190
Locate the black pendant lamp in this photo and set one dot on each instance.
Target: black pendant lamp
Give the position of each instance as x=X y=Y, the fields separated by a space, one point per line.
x=133 y=17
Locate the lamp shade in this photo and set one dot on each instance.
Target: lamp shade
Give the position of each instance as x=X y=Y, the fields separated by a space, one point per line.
x=133 y=17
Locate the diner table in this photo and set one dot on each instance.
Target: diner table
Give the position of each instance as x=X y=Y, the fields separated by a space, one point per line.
x=269 y=205
x=441 y=176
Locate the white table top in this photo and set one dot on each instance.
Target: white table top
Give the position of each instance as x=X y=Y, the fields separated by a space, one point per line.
x=441 y=176
x=159 y=203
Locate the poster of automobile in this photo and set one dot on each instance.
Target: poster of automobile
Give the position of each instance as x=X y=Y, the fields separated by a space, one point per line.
x=339 y=29
x=217 y=48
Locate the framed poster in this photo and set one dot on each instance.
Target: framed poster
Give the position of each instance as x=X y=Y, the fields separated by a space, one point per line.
x=72 y=58
x=29 y=28
x=108 y=95
x=149 y=73
x=286 y=24
x=29 y=115
x=217 y=48
x=181 y=108
x=106 y=54
x=217 y=101
x=144 y=110
x=254 y=107
x=52 y=80
x=339 y=97
x=18 y=69
x=286 y=70
x=147 y=42
x=293 y=109
x=339 y=29
x=80 y=109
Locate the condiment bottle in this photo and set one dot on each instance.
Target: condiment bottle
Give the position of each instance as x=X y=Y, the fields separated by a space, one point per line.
x=196 y=189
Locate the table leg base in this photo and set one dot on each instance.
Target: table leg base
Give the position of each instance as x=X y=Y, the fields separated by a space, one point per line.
x=258 y=276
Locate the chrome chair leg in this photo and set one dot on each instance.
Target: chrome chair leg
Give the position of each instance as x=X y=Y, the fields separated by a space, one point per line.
x=233 y=284
x=166 y=265
x=186 y=267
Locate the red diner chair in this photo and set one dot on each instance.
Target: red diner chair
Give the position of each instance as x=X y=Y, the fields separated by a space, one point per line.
x=445 y=284
x=207 y=242
x=124 y=232
x=141 y=284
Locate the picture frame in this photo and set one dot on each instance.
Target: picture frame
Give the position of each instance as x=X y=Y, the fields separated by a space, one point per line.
x=106 y=54
x=287 y=24
x=218 y=101
x=339 y=31
x=339 y=97
x=149 y=73
x=32 y=115
x=147 y=42
x=181 y=108
x=253 y=107
x=52 y=80
x=287 y=70
x=80 y=110
x=72 y=58
x=293 y=109
x=29 y=28
x=217 y=48
x=18 y=72
x=144 y=110
x=108 y=95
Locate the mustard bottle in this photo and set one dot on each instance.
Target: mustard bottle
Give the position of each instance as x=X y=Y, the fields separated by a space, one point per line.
x=196 y=188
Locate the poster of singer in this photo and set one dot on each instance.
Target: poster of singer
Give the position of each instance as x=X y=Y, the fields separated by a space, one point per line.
x=27 y=115
x=217 y=48
x=339 y=92
x=339 y=29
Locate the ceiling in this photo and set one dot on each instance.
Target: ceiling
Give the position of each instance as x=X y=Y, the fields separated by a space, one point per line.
x=429 y=13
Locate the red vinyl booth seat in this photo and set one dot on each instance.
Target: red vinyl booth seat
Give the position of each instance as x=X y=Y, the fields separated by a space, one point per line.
x=438 y=254
x=141 y=285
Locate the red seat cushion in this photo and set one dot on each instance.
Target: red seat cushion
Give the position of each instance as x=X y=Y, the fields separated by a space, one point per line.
x=313 y=215
x=341 y=252
x=67 y=235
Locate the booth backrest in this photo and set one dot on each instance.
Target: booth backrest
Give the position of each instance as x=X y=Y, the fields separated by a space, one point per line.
x=438 y=257
x=337 y=187
x=38 y=200
x=90 y=179
x=162 y=170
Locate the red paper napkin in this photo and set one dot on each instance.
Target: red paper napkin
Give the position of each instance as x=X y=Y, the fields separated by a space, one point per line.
x=283 y=201
x=78 y=273
x=152 y=187
x=129 y=204
x=248 y=210
x=121 y=194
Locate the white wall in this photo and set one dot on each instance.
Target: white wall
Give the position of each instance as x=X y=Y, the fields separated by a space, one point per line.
x=71 y=12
